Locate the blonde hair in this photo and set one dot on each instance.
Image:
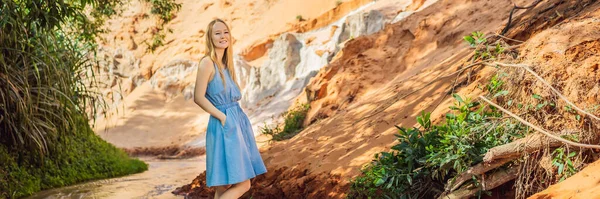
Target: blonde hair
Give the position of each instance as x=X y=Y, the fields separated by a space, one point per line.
x=212 y=53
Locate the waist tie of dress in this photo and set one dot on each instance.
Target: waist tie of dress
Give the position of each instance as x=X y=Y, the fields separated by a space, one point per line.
x=222 y=107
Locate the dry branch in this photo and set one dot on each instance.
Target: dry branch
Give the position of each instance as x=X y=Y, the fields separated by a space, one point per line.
x=528 y=69
x=540 y=129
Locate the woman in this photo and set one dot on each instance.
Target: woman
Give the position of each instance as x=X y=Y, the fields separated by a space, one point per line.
x=232 y=157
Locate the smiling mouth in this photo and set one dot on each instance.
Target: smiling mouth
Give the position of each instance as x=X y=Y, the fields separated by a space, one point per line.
x=223 y=42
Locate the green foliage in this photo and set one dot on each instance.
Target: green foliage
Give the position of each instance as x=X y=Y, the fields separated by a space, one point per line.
x=44 y=66
x=165 y=10
x=495 y=85
x=299 y=18
x=426 y=158
x=483 y=51
x=338 y=3
x=292 y=124
x=157 y=41
x=72 y=159
x=45 y=138
x=564 y=163
x=402 y=171
x=475 y=39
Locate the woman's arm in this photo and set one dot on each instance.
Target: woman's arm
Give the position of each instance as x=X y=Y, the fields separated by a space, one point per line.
x=205 y=71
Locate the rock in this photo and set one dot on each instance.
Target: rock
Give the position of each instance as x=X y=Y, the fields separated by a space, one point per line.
x=284 y=57
x=124 y=64
x=364 y=23
x=118 y=74
x=174 y=77
x=402 y=16
x=242 y=70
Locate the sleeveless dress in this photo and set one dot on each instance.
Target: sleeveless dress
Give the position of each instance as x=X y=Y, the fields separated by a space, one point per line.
x=231 y=152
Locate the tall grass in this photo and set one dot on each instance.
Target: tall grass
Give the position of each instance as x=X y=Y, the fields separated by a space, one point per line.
x=45 y=138
x=44 y=57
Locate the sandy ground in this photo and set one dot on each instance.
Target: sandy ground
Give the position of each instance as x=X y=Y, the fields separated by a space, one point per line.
x=146 y=119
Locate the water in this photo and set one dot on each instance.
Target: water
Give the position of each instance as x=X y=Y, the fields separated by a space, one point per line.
x=161 y=178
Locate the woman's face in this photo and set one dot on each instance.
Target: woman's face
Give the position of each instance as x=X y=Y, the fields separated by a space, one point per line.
x=220 y=35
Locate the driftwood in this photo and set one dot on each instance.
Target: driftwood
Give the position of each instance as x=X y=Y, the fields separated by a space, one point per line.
x=478 y=169
x=490 y=182
x=515 y=149
x=500 y=155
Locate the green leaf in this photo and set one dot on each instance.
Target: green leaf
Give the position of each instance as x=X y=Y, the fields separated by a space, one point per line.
x=578 y=117
x=469 y=40
x=572 y=154
x=560 y=168
x=379 y=182
x=458 y=98
x=568 y=108
x=540 y=106
x=501 y=93
x=536 y=96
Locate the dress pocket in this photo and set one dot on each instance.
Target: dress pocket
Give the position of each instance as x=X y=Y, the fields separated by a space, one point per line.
x=229 y=121
x=223 y=125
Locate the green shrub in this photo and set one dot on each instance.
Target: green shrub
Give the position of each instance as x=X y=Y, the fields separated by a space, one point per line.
x=478 y=40
x=73 y=158
x=165 y=10
x=292 y=124
x=428 y=157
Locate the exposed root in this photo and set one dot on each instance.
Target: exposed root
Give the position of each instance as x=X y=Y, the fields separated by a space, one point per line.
x=478 y=169
x=512 y=11
x=492 y=181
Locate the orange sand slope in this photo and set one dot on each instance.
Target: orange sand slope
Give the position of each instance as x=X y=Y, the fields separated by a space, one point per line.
x=584 y=185
x=367 y=76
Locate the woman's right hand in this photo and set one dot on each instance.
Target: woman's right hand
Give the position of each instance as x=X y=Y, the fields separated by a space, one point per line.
x=223 y=119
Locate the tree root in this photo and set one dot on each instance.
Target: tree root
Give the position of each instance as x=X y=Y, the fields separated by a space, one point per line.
x=512 y=11
x=492 y=181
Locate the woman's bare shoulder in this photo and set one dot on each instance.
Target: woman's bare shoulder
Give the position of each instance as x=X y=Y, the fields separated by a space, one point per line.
x=206 y=64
